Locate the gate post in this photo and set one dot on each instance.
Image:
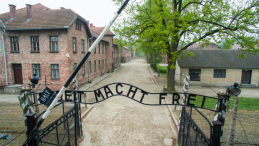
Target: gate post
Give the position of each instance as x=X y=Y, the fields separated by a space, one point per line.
x=31 y=122
x=216 y=135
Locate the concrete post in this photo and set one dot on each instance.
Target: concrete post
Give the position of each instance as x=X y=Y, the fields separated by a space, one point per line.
x=233 y=123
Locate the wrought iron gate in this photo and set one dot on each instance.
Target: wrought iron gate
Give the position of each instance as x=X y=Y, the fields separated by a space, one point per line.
x=189 y=132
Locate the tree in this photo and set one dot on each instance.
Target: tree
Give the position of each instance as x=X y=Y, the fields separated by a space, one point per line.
x=171 y=26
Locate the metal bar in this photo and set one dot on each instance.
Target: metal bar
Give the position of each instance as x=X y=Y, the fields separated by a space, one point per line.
x=57 y=135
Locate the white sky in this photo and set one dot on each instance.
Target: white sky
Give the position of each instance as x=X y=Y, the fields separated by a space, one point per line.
x=98 y=12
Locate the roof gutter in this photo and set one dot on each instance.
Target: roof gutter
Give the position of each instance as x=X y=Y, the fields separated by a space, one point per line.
x=5 y=56
x=65 y=27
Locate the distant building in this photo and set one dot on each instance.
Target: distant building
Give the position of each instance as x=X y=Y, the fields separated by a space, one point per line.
x=210 y=46
x=219 y=68
x=126 y=54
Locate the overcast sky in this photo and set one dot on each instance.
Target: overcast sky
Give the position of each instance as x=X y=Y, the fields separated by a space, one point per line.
x=98 y=12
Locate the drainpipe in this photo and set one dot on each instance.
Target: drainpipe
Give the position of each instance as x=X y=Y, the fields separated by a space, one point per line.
x=107 y=58
x=88 y=45
x=5 y=58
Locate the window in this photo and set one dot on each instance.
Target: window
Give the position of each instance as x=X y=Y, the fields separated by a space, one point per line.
x=55 y=71
x=83 y=69
x=74 y=66
x=53 y=44
x=99 y=49
x=78 y=26
x=105 y=48
x=15 y=44
x=103 y=63
x=35 y=44
x=99 y=64
x=219 y=73
x=74 y=44
x=195 y=74
x=95 y=50
x=102 y=48
x=36 y=69
x=95 y=65
x=90 y=70
x=83 y=45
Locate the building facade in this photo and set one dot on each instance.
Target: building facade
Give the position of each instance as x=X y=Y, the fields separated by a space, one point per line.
x=51 y=43
x=219 y=68
x=126 y=54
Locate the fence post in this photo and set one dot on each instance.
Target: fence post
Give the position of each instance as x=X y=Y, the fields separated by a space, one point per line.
x=216 y=135
x=233 y=123
x=31 y=122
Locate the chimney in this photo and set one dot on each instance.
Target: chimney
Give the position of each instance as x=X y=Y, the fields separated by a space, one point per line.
x=12 y=11
x=91 y=25
x=62 y=8
x=28 y=9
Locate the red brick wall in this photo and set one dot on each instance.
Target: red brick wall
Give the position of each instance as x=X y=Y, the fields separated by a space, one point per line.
x=126 y=55
x=109 y=38
x=102 y=56
x=76 y=57
x=44 y=58
x=2 y=63
x=116 y=56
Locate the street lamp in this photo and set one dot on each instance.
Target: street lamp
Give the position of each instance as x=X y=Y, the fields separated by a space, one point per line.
x=233 y=90
x=34 y=79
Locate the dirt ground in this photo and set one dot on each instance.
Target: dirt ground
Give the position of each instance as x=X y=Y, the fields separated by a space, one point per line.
x=122 y=121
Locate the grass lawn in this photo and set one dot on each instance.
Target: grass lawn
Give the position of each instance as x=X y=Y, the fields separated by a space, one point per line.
x=243 y=103
x=162 y=70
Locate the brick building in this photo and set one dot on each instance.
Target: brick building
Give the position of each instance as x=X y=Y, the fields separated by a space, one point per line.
x=51 y=43
x=126 y=54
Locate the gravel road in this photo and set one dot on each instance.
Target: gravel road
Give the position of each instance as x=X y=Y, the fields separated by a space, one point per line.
x=122 y=121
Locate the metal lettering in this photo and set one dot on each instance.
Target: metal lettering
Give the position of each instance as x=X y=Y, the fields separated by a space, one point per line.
x=107 y=90
x=189 y=98
x=144 y=93
x=133 y=91
x=176 y=97
x=119 y=84
x=98 y=94
x=161 y=97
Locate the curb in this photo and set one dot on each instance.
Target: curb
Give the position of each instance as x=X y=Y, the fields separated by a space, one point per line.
x=171 y=113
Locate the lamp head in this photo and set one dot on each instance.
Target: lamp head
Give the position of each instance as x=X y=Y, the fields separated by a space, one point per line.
x=234 y=90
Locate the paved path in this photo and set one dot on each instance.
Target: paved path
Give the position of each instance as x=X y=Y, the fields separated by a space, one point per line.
x=122 y=121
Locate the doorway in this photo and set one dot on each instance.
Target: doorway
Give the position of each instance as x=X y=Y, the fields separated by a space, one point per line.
x=17 y=69
x=246 y=76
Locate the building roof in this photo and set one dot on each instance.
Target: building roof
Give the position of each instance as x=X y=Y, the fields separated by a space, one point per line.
x=95 y=35
x=100 y=29
x=126 y=48
x=237 y=47
x=210 y=46
x=1 y=24
x=219 y=59
x=42 y=18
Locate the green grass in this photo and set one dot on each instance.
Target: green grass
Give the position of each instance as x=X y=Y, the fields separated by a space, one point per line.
x=162 y=69
x=243 y=103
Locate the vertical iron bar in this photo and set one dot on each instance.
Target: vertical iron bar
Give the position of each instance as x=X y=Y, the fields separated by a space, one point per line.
x=68 y=134
x=57 y=134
